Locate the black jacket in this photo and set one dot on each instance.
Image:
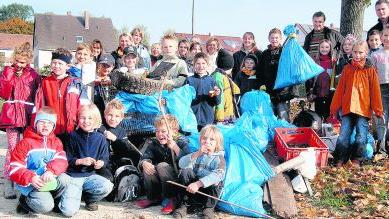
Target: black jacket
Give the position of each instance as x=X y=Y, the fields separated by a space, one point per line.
x=330 y=34
x=267 y=73
x=156 y=153
x=379 y=26
x=238 y=59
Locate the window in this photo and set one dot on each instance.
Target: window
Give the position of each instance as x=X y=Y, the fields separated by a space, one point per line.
x=79 y=39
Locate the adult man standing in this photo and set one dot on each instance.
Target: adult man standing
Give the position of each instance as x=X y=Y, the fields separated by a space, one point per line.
x=382 y=11
x=312 y=40
x=320 y=32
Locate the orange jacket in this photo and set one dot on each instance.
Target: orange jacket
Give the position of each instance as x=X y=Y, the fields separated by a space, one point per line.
x=358 y=91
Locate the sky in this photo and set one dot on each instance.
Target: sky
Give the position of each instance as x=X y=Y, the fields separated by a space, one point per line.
x=218 y=17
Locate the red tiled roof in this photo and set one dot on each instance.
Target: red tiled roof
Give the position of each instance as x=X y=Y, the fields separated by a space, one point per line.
x=229 y=43
x=10 y=41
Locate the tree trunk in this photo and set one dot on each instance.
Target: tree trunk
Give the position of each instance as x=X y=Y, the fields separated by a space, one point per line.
x=351 y=18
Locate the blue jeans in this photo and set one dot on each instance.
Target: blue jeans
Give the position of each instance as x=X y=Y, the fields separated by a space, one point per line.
x=382 y=124
x=344 y=151
x=43 y=202
x=93 y=187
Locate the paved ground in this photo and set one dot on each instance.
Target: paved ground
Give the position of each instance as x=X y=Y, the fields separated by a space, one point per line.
x=106 y=209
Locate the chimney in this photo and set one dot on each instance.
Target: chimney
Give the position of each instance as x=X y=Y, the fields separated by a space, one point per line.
x=69 y=13
x=86 y=20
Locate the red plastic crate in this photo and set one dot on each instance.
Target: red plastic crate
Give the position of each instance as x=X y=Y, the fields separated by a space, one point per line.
x=285 y=136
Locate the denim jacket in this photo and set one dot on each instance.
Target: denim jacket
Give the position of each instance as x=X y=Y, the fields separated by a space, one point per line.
x=210 y=169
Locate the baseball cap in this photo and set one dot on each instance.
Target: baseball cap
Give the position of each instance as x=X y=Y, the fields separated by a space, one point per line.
x=130 y=50
x=106 y=59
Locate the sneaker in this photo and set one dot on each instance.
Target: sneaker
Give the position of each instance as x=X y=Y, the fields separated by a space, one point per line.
x=180 y=212
x=169 y=208
x=92 y=206
x=145 y=203
x=208 y=213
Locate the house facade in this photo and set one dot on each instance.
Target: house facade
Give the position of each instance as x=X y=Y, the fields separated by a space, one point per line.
x=67 y=31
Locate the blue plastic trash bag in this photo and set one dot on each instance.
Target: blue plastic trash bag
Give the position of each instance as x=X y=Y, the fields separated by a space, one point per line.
x=178 y=103
x=256 y=101
x=295 y=66
x=368 y=152
x=246 y=171
x=139 y=102
x=259 y=107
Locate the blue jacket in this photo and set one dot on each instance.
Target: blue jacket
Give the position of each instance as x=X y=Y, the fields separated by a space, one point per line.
x=210 y=169
x=203 y=105
x=86 y=144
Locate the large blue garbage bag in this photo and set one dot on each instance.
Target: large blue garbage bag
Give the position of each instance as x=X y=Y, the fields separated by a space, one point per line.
x=295 y=66
x=139 y=102
x=246 y=171
x=368 y=152
x=258 y=106
x=246 y=168
x=177 y=103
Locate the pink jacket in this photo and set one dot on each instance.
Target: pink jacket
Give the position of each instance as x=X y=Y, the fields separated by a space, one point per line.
x=23 y=89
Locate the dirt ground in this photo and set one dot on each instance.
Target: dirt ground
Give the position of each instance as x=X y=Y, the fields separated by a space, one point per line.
x=106 y=209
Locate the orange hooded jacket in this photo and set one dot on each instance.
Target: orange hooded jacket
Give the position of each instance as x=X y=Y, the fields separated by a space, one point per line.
x=358 y=91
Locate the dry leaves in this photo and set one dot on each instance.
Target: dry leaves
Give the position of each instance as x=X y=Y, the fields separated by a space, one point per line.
x=349 y=192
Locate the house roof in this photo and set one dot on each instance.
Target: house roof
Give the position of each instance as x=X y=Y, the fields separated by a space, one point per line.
x=10 y=41
x=55 y=31
x=229 y=43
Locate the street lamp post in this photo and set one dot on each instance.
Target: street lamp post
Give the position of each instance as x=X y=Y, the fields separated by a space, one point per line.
x=193 y=17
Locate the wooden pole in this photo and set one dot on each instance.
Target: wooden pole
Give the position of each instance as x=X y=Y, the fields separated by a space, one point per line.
x=169 y=132
x=221 y=200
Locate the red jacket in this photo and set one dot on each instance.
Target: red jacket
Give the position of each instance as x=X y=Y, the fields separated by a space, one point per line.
x=34 y=155
x=23 y=88
x=65 y=97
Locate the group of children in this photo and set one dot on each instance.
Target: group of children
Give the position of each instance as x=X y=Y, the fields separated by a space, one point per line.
x=68 y=152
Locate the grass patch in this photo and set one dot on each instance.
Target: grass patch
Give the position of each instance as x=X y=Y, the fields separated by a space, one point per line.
x=384 y=195
x=332 y=199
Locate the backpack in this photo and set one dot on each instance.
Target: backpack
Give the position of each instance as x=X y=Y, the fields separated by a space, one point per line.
x=127 y=183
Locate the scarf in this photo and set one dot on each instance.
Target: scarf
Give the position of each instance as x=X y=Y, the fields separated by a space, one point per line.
x=359 y=64
x=248 y=72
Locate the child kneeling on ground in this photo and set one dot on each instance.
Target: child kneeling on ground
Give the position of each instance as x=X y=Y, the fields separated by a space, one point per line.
x=37 y=166
x=202 y=170
x=87 y=153
x=157 y=163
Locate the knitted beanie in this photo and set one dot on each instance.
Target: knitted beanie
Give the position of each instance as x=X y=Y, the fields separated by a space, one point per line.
x=45 y=116
x=224 y=60
x=252 y=57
